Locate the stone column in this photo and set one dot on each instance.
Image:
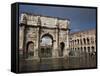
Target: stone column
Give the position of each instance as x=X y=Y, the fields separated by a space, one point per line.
x=55 y=45
x=86 y=40
x=21 y=39
x=90 y=49
x=79 y=42
x=24 y=41
x=36 y=49
x=66 y=50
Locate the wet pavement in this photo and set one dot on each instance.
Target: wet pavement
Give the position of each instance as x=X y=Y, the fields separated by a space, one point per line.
x=56 y=63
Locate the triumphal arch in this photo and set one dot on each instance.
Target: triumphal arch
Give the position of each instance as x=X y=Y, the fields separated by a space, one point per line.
x=43 y=36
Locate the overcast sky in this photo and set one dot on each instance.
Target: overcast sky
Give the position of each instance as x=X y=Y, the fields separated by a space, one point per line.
x=81 y=18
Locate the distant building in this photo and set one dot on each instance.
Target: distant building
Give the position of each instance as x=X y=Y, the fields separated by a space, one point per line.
x=83 y=41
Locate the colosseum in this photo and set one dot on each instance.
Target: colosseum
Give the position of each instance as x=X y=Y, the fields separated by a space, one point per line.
x=83 y=41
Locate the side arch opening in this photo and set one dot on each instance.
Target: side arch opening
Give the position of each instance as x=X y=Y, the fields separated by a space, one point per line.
x=29 y=49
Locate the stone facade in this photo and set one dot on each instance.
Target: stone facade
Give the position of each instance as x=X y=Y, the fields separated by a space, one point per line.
x=33 y=28
x=83 y=41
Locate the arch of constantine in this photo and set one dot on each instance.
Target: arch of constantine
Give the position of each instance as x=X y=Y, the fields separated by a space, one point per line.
x=43 y=36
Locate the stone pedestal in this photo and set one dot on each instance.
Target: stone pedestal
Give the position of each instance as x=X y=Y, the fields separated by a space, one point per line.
x=55 y=53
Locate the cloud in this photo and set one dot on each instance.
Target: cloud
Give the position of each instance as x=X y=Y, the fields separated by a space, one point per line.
x=75 y=30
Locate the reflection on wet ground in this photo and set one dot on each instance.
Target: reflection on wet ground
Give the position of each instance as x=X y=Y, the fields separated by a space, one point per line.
x=57 y=63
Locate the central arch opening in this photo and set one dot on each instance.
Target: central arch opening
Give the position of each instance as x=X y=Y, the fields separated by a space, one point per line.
x=46 y=45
